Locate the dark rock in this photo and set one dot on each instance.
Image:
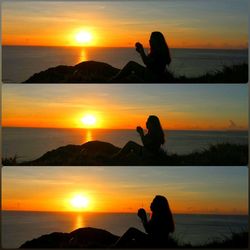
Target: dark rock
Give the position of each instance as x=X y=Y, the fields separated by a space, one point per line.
x=89 y=71
x=90 y=153
x=92 y=237
x=53 y=240
x=94 y=153
x=59 y=74
x=80 y=238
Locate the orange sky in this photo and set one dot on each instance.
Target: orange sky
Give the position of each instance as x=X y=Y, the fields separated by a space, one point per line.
x=200 y=107
x=121 y=24
x=118 y=189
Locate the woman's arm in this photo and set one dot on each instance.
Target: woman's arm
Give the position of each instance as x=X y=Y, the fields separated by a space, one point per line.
x=141 y=133
x=143 y=216
x=145 y=138
x=140 y=50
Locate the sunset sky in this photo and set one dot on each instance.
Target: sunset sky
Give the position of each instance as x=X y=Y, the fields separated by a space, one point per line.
x=185 y=24
x=121 y=106
x=215 y=190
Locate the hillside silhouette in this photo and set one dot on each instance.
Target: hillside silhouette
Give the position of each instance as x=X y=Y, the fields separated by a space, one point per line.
x=97 y=153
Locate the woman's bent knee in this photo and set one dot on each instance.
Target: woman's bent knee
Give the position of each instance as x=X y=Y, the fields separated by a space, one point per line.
x=132 y=231
x=132 y=64
x=131 y=142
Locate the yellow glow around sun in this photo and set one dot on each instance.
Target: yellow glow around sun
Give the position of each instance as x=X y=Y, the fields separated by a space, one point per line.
x=83 y=37
x=89 y=120
x=79 y=202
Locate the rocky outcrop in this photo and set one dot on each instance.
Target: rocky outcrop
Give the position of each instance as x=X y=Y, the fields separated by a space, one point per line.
x=81 y=238
x=88 y=154
x=93 y=153
x=85 y=72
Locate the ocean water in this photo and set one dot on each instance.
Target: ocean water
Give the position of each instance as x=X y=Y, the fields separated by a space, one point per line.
x=21 y=62
x=18 y=227
x=31 y=143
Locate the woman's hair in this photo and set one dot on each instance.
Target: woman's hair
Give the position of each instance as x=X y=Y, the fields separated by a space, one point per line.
x=158 y=45
x=155 y=129
x=160 y=208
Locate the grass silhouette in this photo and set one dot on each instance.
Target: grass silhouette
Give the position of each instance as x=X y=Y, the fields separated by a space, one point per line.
x=229 y=74
x=100 y=153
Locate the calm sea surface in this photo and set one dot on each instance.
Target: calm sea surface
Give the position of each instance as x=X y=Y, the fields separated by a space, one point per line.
x=20 y=62
x=18 y=227
x=31 y=143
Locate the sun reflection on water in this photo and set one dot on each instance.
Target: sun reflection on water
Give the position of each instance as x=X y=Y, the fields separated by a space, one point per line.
x=83 y=56
x=79 y=221
x=88 y=136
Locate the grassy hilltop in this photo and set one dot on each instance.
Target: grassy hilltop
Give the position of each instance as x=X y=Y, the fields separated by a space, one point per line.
x=97 y=153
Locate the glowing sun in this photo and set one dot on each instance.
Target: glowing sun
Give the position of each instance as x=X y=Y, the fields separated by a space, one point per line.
x=79 y=202
x=88 y=120
x=83 y=37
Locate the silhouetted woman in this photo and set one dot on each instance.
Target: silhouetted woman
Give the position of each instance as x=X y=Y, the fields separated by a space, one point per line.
x=156 y=61
x=151 y=141
x=157 y=228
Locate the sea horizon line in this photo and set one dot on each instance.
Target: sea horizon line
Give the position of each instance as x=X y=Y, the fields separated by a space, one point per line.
x=119 y=212
x=119 y=47
x=166 y=129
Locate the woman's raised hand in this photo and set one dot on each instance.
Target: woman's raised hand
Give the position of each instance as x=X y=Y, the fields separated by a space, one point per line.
x=139 y=130
x=142 y=214
x=139 y=47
